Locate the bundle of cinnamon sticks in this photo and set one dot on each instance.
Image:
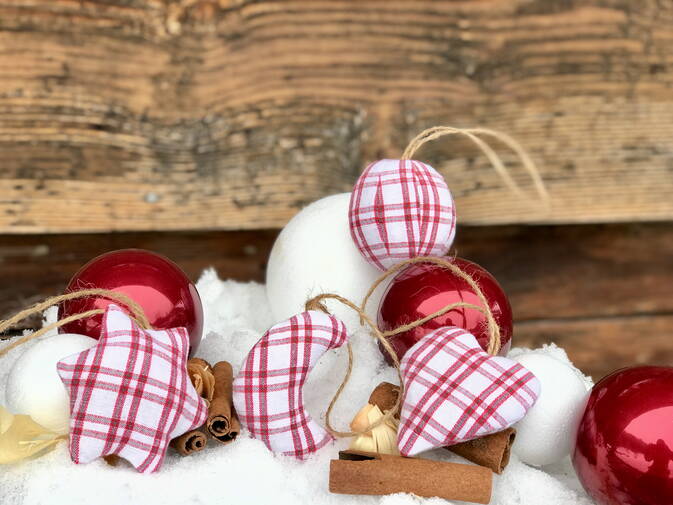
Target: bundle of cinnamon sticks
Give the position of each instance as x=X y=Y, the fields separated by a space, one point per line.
x=214 y=384
x=356 y=472
x=491 y=451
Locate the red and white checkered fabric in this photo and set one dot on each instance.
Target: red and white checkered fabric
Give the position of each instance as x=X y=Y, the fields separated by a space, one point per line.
x=268 y=391
x=401 y=209
x=455 y=392
x=130 y=394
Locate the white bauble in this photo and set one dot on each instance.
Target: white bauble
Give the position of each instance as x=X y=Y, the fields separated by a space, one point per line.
x=315 y=254
x=547 y=433
x=34 y=387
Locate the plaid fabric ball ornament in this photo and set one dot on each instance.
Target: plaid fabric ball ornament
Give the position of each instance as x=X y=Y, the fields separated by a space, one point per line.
x=130 y=394
x=401 y=209
x=455 y=392
x=268 y=393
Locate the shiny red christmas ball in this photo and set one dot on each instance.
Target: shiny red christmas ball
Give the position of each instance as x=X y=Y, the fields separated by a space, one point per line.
x=167 y=296
x=424 y=288
x=624 y=451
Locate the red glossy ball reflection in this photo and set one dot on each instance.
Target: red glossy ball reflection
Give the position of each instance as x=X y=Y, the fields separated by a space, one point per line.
x=424 y=288
x=167 y=296
x=624 y=451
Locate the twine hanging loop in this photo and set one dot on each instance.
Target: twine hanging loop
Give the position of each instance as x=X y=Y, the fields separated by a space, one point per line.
x=136 y=312
x=317 y=303
x=474 y=135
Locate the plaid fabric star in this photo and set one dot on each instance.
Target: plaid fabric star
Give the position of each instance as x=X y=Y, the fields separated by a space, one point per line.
x=455 y=392
x=130 y=394
x=401 y=209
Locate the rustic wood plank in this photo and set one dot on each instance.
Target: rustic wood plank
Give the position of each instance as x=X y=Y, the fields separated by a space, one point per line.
x=600 y=291
x=549 y=272
x=204 y=114
x=572 y=272
x=599 y=346
x=34 y=267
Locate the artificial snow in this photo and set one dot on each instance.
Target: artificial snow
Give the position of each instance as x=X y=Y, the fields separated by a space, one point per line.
x=245 y=472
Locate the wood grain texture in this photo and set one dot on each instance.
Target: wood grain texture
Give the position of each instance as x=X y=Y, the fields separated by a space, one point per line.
x=603 y=292
x=599 y=346
x=205 y=114
x=34 y=267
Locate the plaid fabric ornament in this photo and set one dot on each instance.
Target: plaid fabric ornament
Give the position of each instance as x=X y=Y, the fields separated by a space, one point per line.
x=268 y=391
x=455 y=392
x=130 y=394
x=401 y=209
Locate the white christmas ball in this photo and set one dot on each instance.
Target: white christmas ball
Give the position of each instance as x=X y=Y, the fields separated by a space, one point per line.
x=547 y=433
x=315 y=254
x=34 y=387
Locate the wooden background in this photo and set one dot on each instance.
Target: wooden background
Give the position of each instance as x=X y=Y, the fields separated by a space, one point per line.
x=203 y=114
x=179 y=125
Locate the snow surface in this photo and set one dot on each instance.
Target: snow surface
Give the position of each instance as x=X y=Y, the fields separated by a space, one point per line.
x=245 y=472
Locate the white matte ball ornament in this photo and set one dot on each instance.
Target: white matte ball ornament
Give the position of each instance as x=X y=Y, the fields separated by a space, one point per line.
x=315 y=254
x=401 y=209
x=547 y=433
x=34 y=387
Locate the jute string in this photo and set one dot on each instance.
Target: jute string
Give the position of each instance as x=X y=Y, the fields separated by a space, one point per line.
x=493 y=328
x=136 y=312
x=493 y=349
x=474 y=135
x=316 y=303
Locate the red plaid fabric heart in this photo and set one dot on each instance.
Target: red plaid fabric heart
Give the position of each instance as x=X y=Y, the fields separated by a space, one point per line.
x=455 y=392
x=130 y=394
x=268 y=393
x=401 y=209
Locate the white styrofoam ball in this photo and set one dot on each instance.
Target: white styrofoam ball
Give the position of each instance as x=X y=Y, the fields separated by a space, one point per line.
x=547 y=433
x=315 y=254
x=34 y=387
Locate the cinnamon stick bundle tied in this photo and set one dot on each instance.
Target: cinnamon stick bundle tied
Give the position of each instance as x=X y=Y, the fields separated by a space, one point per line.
x=190 y=442
x=491 y=451
x=201 y=375
x=213 y=384
x=223 y=423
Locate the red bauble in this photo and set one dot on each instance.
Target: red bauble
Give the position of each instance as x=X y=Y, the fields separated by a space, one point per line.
x=624 y=451
x=167 y=296
x=424 y=288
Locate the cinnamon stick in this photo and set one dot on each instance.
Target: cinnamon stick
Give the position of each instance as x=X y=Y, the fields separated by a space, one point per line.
x=190 y=442
x=201 y=374
x=222 y=423
x=195 y=440
x=385 y=396
x=111 y=459
x=381 y=474
x=492 y=451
